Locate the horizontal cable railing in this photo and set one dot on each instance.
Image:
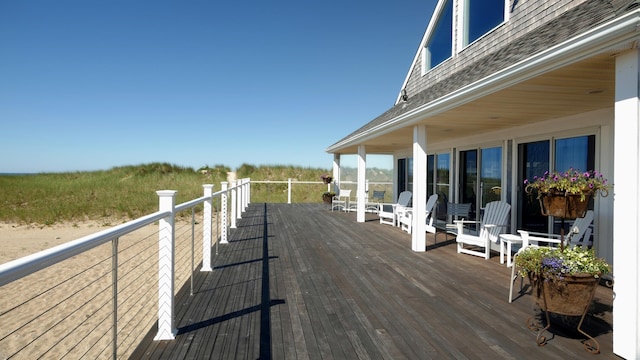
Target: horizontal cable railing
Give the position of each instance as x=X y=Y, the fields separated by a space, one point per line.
x=97 y=296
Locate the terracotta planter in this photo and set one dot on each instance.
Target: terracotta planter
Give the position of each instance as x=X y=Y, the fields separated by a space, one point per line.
x=326 y=198
x=571 y=296
x=565 y=206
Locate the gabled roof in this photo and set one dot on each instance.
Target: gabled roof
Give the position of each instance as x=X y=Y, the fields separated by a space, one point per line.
x=578 y=20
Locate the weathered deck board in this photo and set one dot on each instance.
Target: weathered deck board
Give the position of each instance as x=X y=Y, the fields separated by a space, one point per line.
x=301 y=282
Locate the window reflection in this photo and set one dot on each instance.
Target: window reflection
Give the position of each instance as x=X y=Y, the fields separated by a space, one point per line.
x=438 y=48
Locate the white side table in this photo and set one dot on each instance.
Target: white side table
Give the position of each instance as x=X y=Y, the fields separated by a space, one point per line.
x=509 y=240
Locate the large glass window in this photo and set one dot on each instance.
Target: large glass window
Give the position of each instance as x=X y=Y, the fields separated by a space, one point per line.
x=439 y=46
x=534 y=160
x=480 y=178
x=577 y=153
x=480 y=17
x=438 y=181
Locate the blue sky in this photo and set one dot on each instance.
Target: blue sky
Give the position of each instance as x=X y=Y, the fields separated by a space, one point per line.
x=89 y=85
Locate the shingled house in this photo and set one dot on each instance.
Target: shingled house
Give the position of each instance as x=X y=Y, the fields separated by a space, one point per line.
x=502 y=90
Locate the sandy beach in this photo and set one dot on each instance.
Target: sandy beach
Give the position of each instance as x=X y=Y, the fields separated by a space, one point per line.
x=20 y=240
x=66 y=309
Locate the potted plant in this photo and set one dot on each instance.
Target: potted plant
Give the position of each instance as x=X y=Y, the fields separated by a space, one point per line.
x=326 y=178
x=566 y=194
x=327 y=196
x=563 y=282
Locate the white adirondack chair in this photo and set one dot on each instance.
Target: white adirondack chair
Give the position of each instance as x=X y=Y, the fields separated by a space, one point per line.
x=405 y=218
x=373 y=204
x=341 y=200
x=494 y=221
x=579 y=235
x=388 y=212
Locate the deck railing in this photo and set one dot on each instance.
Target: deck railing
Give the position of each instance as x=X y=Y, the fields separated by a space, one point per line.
x=51 y=307
x=97 y=296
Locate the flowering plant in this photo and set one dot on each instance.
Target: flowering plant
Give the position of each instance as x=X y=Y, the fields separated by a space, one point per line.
x=326 y=179
x=569 y=182
x=553 y=264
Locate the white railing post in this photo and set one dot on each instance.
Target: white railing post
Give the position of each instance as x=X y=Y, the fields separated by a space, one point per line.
x=239 y=199
x=166 y=251
x=206 y=228
x=248 y=191
x=243 y=191
x=224 y=213
x=289 y=191
x=234 y=203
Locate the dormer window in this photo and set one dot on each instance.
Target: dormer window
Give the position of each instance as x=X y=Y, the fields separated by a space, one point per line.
x=479 y=17
x=449 y=32
x=439 y=47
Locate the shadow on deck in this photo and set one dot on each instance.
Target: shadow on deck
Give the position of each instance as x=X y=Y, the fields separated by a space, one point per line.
x=298 y=281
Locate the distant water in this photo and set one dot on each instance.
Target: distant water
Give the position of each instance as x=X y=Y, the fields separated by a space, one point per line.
x=15 y=174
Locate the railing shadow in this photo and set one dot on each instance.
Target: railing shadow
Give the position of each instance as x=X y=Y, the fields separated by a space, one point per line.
x=265 y=304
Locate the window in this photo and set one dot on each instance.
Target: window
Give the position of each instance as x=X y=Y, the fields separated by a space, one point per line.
x=534 y=159
x=438 y=181
x=440 y=44
x=480 y=17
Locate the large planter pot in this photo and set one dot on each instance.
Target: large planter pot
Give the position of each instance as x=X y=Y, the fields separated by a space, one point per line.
x=565 y=206
x=570 y=296
x=326 y=198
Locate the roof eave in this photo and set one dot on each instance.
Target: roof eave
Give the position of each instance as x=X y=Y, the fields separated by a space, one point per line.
x=605 y=37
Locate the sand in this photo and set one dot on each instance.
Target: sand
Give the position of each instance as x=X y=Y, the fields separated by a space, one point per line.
x=66 y=309
x=21 y=240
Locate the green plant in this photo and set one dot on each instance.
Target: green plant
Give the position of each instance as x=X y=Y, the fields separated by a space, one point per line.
x=569 y=182
x=554 y=264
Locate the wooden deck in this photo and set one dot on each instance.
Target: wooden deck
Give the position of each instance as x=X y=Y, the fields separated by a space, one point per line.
x=301 y=282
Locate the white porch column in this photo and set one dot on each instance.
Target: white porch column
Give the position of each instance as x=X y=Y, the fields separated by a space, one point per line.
x=166 y=274
x=206 y=228
x=223 y=211
x=419 y=228
x=361 y=188
x=336 y=172
x=626 y=208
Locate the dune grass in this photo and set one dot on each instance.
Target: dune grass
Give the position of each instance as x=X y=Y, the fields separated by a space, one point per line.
x=124 y=193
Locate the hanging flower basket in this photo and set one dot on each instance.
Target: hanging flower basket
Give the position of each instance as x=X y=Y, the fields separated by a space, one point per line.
x=564 y=205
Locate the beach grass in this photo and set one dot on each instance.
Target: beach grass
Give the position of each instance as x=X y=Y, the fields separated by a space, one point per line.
x=128 y=192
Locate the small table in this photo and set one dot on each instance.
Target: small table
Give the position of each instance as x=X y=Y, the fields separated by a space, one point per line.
x=509 y=239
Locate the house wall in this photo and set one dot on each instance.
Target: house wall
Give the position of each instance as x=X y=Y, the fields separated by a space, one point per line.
x=524 y=17
x=598 y=122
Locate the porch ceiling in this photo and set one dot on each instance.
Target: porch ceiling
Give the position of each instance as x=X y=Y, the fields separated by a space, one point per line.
x=577 y=88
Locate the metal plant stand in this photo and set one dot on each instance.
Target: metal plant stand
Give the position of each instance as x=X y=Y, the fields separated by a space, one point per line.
x=574 y=301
